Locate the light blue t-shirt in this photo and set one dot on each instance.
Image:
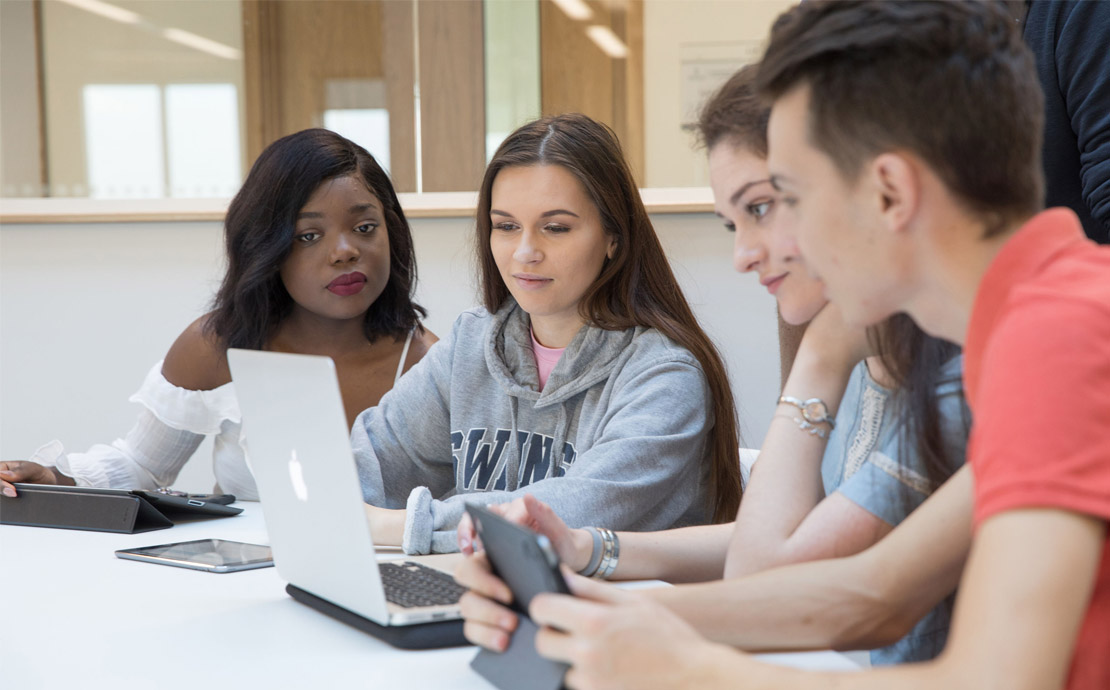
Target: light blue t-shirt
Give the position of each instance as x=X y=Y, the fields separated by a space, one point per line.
x=870 y=463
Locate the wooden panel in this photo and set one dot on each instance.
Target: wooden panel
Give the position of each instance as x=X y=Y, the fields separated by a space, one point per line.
x=295 y=51
x=397 y=66
x=428 y=205
x=577 y=76
x=628 y=85
x=321 y=41
x=452 y=94
x=261 y=75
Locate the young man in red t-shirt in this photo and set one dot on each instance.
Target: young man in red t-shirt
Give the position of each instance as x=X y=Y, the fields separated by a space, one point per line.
x=905 y=141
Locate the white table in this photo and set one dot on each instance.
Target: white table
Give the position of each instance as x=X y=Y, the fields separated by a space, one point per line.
x=75 y=616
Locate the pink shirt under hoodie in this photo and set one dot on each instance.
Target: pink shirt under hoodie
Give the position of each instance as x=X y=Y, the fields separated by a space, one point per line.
x=546 y=359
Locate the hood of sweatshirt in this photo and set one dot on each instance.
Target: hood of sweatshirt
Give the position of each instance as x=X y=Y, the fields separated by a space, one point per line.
x=588 y=359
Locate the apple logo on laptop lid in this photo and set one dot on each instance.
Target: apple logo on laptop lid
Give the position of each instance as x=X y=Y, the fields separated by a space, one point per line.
x=296 y=474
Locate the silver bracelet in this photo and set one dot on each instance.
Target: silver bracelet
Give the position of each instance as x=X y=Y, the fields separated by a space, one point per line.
x=595 y=555
x=814 y=410
x=610 y=553
x=807 y=426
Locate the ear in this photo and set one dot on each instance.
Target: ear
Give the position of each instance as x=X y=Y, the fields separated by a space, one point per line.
x=612 y=248
x=897 y=182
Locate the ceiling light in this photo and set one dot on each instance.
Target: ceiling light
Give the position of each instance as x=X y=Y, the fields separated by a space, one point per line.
x=605 y=39
x=202 y=44
x=105 y=10
x=577 y=10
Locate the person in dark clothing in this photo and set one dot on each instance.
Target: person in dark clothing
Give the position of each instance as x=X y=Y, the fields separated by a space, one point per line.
x=1071 y=42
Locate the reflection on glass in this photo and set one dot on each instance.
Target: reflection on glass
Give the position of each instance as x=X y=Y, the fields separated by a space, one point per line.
x=202 y=140
x=123 y=141
x=512 y=58
x=367 y=127
x=141 y=99
x=356 y=109
x=149 y=97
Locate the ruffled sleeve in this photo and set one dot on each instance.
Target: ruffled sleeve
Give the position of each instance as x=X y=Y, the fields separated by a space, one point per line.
x=170 y=427
x=201 y=412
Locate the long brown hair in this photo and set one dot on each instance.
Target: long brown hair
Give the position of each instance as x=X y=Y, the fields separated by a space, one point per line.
x=736 y=115
x=636 y=286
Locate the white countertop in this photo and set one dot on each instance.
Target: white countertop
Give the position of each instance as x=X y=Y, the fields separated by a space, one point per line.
x=75 y=616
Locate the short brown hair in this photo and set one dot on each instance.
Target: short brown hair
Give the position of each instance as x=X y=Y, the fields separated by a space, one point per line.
x=735 y=113
x=950 y=81
x=636 y=286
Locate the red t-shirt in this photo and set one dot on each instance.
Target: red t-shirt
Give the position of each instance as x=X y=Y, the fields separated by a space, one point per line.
x=1037 y=379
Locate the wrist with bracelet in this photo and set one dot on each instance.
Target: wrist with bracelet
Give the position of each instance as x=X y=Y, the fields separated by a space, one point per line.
x=606 y=552
x=814 y=413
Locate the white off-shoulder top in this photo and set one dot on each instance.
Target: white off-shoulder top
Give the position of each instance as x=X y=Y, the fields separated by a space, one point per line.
x=171 y=425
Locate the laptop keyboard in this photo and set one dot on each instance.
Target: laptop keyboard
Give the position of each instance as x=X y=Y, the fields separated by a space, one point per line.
x=410 y=584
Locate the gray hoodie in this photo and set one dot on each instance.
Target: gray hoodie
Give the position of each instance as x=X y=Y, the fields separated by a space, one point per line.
x=617 y=438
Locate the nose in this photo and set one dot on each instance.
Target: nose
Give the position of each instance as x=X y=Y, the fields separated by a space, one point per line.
x=747 y=251
x=528 y=249
x=343 y=249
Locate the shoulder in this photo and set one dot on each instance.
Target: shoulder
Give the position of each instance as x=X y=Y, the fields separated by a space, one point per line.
x=652 y=360
x=1047 y=364
x=475 y=317
x=422 y=341
x=949 y=380
x=650 y=346
x=197 y=360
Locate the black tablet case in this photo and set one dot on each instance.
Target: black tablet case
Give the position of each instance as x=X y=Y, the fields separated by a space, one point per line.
x=431 y=635
x=520 y=667
x=70 y=507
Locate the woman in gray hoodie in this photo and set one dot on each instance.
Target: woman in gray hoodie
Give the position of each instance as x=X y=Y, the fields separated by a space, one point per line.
x=585 y=379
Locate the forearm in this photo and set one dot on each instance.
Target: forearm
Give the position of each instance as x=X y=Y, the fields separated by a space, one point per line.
x=786 y=481
x=762 y=676
x=830 y=604
x=866 y=600
x=688 y=554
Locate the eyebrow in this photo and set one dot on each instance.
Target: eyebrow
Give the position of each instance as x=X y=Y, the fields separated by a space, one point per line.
x=356 y=209
x=743 y=189
x=545 y=214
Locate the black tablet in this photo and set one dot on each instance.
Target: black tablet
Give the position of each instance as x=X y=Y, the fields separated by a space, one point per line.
x=529 y=566
x=189 y=505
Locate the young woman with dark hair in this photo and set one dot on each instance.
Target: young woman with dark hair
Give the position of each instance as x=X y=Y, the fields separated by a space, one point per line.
x=320 y=261
x=854 y=445
x=584 y=380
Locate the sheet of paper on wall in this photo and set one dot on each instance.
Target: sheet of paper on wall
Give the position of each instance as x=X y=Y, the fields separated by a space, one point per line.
x=705 y=66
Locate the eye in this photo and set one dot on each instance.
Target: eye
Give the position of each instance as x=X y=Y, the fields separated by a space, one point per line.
x=556 y=228
x=307 y=237
x=505 y=226
x=731 y=227
x=366 y=228
x=760 y=209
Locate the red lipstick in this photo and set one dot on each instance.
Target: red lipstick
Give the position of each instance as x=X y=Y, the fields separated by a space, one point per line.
x=348 y=284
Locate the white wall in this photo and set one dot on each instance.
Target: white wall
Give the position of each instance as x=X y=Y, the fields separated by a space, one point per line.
x=86 y=309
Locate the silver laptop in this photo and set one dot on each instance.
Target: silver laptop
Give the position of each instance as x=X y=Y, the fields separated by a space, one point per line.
x=299 y=449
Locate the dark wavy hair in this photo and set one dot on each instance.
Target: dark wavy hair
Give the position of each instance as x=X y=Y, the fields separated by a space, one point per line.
x=258 y=231
x=736 y=115
x=636 y=287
